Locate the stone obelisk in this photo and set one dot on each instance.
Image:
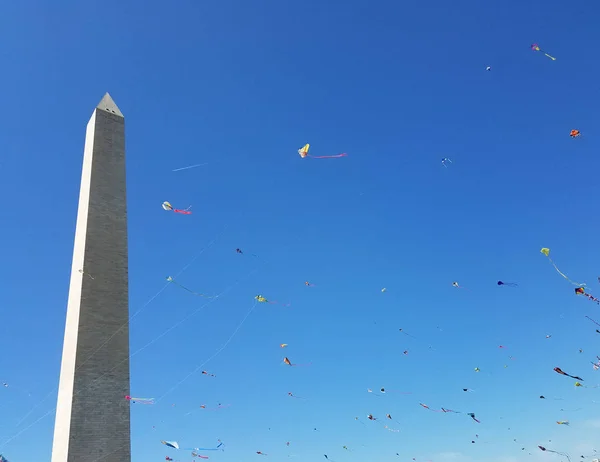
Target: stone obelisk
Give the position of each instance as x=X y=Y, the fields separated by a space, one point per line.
x=92 y=414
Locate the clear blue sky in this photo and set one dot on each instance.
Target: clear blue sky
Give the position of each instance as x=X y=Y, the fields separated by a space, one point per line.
x=241 y=86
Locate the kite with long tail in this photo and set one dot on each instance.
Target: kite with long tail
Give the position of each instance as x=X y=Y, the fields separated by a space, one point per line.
x=536 y=47
x=303 y=151
x=546 y=251
x=139 y=400
x=561 y=372
x=555 y=452
x=581 y=291
x=169 y=208
x=509 y=284
x=173 y=281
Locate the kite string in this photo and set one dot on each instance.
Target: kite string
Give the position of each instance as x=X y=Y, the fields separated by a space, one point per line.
x=239 y=326
x=132 y=355
x=142 y=308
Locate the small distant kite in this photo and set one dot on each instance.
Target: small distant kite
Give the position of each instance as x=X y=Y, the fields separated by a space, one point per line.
x=581 y=291
x=208 y=374
x=536 y=47
x=383 y=290
x=445 y=161
x=139 y=400
x=455 y=284
x=287 y=361
x=562 y=422
x=510 y=284
x=303 y=151
x=546 y=251
x=169 y=208
x=283 y=345
x=575 y=133
x=488 y=68
x=260 y=299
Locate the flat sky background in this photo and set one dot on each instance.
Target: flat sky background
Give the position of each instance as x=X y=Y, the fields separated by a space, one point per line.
x=240 y=86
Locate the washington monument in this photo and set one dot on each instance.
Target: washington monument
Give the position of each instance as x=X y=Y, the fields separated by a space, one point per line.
x=92 y=414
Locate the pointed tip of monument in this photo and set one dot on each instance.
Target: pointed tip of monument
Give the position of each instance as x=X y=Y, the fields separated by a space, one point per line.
x=107 y=104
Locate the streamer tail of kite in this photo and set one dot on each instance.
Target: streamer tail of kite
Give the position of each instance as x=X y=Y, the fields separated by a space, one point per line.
x=546 y=252
x=173 y=281
x=536 y=47
x=303 y=151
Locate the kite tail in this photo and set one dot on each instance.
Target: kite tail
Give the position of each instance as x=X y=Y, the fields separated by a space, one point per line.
x=564 y=275
x=185 y=212
x=329 y=157
x=551 y=57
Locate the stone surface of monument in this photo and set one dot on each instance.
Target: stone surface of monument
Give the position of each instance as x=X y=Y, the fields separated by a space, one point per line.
x=92 y=414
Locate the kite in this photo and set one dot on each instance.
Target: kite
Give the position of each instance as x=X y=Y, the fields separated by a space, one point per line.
x=140 y=400
x=303 y=151
x=166 y=458
x=581 y=291
x=433 y=410
x=239 y=251
x=509 y=284
x=536 y=47
x=203 y=406
x=444 y=160
x=195 y=454
x=405 y=333
x=169 y=208
x=171 y=280
x=259 y=298
x=383 y=390
x=470 y=414
x=555 y=452
x=575 y=133
x=261 y=453
x=283 y=345
x=546 y=251
x=562 y=422
x=560 y=371
x=208 y=374
x=290 y=394
x=308 y=284
x=488 y=68
x=477 y=369
x=383 y=290
x=578 y=384
x=289 y=363
x=455 y=284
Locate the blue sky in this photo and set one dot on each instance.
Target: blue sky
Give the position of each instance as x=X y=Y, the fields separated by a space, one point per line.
x=241 y=86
